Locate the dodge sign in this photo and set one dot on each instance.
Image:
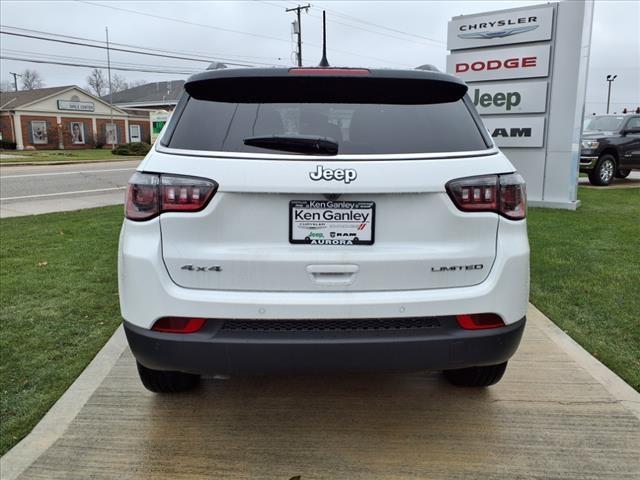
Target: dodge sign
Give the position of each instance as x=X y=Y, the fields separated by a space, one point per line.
x=500 y=63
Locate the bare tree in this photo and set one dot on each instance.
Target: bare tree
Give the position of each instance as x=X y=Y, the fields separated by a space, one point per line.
x=97 y=83
x=118 y=83
x=6 y=86
x=31 y=80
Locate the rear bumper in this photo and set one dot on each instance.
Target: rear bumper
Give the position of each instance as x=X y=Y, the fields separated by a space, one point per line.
x=438 y=343
x=148 y=293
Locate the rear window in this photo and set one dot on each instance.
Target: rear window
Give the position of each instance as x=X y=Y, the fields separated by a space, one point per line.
x=357 y=128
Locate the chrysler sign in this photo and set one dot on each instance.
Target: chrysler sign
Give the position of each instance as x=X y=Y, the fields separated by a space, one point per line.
x=508 y=98
x=500 y=63
x=516 y=131
x=501 y=28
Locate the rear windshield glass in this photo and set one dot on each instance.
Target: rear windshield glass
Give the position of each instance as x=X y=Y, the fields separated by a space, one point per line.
x=357 y=128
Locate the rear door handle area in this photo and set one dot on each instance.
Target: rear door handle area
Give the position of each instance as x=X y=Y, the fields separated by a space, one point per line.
x=333 y=274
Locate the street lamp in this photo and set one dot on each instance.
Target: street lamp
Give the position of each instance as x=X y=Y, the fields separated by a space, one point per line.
x=610 y=79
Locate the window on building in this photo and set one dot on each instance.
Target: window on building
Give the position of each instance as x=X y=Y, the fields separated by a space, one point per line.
x=77 y=133
x=134 y=133
x=39 y=132
x=111 y=133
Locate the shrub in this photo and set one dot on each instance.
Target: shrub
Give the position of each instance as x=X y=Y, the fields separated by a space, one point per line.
x=136 y=148
x=7 y=145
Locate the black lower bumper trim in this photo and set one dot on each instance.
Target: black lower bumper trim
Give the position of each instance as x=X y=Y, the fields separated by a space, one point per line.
x=441 y=345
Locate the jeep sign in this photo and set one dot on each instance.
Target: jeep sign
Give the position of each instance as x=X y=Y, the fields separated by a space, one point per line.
x=508 y=98
x=516 y=132
x=500 y=63
x=500 y=28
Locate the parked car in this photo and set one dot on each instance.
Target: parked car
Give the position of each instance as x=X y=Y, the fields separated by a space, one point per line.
x=319 y=220
x=610 y=147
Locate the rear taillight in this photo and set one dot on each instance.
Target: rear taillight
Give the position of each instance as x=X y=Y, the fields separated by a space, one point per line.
x=503 y=194
x=178 y=325
x=479 y=321
x=150 y=194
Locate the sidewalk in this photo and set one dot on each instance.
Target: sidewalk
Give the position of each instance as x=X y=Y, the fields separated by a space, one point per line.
x=549 y=418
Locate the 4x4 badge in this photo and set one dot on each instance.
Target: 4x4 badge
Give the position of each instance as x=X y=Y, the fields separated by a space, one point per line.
x=346 y=175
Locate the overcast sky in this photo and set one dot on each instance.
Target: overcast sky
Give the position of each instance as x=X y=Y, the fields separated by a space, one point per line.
x=414 y=33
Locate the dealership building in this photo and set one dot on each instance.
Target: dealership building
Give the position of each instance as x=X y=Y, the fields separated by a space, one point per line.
x=65 y=118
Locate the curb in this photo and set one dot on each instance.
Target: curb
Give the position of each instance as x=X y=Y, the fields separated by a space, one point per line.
x=68 y=162
x=58 y=418
x=616 y=386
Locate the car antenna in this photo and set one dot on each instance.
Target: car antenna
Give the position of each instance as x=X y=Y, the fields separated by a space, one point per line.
x=324 y=62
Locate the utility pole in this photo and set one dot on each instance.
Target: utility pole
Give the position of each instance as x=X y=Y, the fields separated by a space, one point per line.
x=113 y=125
x=15 y=80
x=610 y=79
x=298 y=9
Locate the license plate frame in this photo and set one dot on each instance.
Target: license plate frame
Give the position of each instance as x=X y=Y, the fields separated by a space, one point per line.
x=332 y=232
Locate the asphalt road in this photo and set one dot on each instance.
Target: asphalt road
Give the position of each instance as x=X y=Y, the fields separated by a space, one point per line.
x=29 y=190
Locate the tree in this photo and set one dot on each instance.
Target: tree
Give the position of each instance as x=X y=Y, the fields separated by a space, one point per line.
x=31 y=80
x=6 y=86
x=97 y=83
x=118 y=83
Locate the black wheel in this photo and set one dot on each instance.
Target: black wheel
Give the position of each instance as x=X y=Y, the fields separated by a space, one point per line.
x=167 y=382
x=476 y=376
x=623 y=173
x=604 y=171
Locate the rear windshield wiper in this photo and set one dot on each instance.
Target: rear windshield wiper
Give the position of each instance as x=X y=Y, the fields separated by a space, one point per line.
x=295 y=143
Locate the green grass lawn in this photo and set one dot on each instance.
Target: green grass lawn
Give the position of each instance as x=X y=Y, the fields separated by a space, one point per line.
x=58 y=306
x=59 y=303
x=585 y=274
x=90 y=154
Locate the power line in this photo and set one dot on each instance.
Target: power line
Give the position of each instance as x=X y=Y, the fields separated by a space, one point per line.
x=344 y=15
x=186 y=22
x=70 y=42
x=94 y=65
x=212 y=57
x=233 y=31
x=349 y=25
x=356 y=19
x=47 y=56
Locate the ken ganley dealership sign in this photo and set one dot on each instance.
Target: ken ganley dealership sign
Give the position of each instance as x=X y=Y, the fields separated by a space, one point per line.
x=526 y=72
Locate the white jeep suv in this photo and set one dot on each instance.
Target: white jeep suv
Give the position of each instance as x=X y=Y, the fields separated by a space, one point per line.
x=323 y=219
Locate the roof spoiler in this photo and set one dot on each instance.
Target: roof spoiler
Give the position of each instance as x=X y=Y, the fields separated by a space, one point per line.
x=326 y=85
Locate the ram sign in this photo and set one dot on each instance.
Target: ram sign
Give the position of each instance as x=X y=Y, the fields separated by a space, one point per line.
x=518 y=132
x=501 y=28
x=509 y=98
x=500 y=63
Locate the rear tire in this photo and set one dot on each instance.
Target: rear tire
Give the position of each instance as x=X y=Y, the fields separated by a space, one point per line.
x=476 y=376
x=604 y=171
x=159 y=381
x=623 y=173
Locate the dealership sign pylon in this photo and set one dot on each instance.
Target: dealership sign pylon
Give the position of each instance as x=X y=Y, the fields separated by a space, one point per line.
x=527 y=72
